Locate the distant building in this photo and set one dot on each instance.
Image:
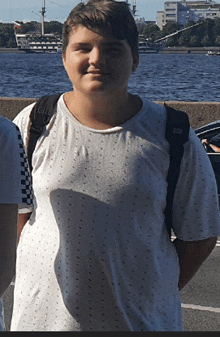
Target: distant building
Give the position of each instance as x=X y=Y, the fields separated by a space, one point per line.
x=161 y=19
x=142 y=21
x=183 y=11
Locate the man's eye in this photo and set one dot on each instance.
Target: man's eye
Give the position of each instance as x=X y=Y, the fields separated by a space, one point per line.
x=83 y=49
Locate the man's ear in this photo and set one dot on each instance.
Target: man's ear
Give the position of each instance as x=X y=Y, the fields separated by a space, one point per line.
x=135 y=62
x=64 y=56
x=64 y=60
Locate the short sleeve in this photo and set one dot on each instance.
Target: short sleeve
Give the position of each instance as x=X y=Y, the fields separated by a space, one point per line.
x=15 y=181
x=196 y=208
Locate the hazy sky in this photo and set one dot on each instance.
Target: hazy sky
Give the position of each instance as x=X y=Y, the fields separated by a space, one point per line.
x=58 y=10
x=11 y=10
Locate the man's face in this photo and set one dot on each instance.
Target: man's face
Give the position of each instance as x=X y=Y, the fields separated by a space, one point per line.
x=98 y=63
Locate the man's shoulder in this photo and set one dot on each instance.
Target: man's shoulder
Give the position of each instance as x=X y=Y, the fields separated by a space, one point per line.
x=154 y=108
x=7 y=126
x=24 y=112
x=23 y=118
x=153 y=114
x=24 y=115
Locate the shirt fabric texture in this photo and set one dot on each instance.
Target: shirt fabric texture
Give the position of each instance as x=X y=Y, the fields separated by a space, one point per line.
x=95 y=254
x=15 y=183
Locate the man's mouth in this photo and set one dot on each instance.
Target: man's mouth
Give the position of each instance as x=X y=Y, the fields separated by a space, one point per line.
x=97 y=72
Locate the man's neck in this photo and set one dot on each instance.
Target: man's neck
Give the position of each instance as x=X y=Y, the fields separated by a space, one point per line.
x=102 y=113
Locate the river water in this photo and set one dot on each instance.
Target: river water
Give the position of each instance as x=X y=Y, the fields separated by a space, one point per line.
x=163 y=77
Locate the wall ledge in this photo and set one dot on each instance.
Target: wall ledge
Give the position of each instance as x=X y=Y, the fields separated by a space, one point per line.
x=200 y=113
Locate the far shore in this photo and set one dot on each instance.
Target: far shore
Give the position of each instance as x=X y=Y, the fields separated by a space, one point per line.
x=167 y=50
x=11 y=50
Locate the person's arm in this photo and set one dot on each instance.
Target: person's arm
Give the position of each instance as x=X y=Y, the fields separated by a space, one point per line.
x=191 y=256
x=22 y=219
x=213 y=147
x=8 y=237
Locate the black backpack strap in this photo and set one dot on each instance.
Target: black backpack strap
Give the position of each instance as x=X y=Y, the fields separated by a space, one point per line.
x=177 y=134
x=40 y=116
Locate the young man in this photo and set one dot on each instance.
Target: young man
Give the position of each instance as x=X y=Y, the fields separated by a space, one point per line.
x=95 y=254
x=15 y=189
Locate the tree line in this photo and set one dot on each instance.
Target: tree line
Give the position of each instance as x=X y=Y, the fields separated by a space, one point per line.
x=204 y=35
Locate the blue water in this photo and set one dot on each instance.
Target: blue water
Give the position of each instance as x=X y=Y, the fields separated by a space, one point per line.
x=159 y=77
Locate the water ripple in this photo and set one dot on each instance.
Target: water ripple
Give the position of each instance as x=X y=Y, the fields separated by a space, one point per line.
x=187 y=77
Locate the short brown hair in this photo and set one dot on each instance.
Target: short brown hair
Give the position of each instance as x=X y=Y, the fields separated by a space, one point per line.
x=103 y=15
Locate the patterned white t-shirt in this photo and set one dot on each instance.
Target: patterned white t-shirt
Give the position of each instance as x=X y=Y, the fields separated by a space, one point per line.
x=95 y=254
x=15 y=182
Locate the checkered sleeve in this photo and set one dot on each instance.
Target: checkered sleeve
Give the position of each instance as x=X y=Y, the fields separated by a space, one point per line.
x=26 y=186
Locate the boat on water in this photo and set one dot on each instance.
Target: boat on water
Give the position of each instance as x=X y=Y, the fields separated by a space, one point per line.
x=37 y=42
x=213 y=53
x=148 y=47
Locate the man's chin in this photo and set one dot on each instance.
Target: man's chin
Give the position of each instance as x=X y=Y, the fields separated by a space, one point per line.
x=98 y=86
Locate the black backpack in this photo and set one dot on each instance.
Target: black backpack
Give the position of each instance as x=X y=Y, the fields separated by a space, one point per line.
x=177 y=132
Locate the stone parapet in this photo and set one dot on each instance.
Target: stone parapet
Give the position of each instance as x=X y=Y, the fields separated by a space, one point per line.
x=200 y=113
x=10 y=107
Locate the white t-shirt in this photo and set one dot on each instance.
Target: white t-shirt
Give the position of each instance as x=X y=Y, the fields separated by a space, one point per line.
x=15 y=184
x=95 y=254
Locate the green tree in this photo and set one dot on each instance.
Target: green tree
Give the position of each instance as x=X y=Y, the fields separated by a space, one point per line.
x=184 y=37
x=151 y=31
x=209 y=25
x=201 y=30
x=1 y=42
x=217 y=40
x=54 y=27
x=192 y=36
x=184 y=40
x=30 y=27
x=141 y=28
x=172 y=42
x=160 y=34
x=11 y=43
x=216 y=28
x=194 y=41
x=7 y=35
x=171 y=27
x=206 y=41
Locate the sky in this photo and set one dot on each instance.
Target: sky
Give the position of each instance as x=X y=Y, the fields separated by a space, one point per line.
x=58 y=10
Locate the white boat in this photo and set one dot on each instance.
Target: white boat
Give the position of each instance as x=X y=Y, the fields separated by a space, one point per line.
x=37 y=42
x=145 y=47
x=213 y=53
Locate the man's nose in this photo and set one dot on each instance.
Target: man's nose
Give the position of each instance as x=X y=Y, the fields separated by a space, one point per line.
x=97 y=56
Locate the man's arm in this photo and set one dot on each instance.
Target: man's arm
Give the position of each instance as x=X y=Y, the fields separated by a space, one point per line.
x=22 y=219
x=8 y=238
x=191 y=256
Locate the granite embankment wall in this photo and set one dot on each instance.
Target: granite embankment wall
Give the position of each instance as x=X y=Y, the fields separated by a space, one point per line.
x=200 y=113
